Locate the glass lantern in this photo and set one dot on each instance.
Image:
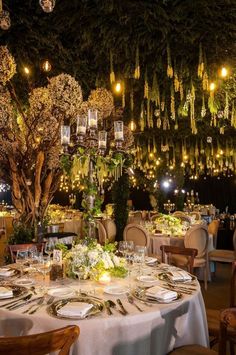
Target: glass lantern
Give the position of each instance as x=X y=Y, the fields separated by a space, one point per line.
x=92 y=119
x=81 y=125
x=102 y=139
x=47 y=5
x=119 y=130
x=5 y=21
x=65 y=135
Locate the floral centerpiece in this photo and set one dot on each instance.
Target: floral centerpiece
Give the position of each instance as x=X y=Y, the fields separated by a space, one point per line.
x=169 y=224
x=95 y=259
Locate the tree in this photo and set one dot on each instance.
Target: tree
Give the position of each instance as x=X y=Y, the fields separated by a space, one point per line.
x=30 y=144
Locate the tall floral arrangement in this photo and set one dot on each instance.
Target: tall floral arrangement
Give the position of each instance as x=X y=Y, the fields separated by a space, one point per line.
x=102 y=100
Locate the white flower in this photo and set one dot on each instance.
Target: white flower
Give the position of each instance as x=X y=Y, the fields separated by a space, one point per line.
x=116 y=260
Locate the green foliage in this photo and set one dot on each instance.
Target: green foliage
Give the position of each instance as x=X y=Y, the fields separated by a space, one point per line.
x=21 y=234
x=120 y=195
x=66 y=163
x=62 y=247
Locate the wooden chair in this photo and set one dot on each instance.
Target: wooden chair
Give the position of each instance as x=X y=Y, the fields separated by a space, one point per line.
x=196 y=214
x=213 y=229
x=227 y=330
x=137 y=234
x=102 y=234
x=41 y=344
x=169 y=250
x=196 y=238
x=182 y=216
x=154 y=216
x=221 y=255
x=213 y=315
x=136 y=217
x=14 y=248
x=2 y=226
x=110 y=227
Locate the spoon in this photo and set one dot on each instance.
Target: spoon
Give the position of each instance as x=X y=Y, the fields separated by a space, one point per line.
x=131 y=301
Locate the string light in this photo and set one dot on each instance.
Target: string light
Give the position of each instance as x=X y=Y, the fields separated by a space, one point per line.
x=223 y=72
x=26 y=71
x=118 y=87
x=212 y=86
x=46 y=66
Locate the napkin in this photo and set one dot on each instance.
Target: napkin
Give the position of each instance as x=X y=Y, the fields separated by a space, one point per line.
x=161 y=293
x=5 y=292
x=75 y=309
x=150 y=260
x=180 y=275
x=6 y=272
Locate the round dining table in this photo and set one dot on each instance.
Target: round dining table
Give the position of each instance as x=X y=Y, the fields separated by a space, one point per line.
x=155 y=330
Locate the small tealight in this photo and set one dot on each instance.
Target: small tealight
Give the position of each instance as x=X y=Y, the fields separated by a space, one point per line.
x=105 y=278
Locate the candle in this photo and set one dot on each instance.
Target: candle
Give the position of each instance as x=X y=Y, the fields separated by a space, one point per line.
x=65 y=140
x=104 y=278
x=102 y=144
x=81 y=129
x=119 y=135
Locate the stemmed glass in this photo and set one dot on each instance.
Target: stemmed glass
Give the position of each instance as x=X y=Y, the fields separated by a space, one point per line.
x=21 y=259
x=122 y=248
x=129 y=258
x=78 y=269
x=49 y=247
x=44 y=266
x=139 y=256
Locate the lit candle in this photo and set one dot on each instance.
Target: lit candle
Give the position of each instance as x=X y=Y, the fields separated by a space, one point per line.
x=81 y=130
x=105 y=278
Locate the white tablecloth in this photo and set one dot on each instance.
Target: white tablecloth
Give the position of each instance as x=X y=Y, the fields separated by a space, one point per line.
x=156 y=331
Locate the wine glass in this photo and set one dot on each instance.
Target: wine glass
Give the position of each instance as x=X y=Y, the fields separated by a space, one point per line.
x=49 y=247
x=44 y=266
x=21 y=259
x=122 y=248
x=78 y=270
x=139 y=257
x=129 y=258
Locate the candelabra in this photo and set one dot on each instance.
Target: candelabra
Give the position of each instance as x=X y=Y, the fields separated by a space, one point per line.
x=169 y=207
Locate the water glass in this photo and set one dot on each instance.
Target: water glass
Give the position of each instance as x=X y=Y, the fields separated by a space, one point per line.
x=49 y=247
x=139 y=256
x=44 y=266
x=21 y=259
x=122 y=248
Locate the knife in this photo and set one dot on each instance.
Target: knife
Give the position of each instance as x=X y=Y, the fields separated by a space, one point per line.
x=108 y=309
x=25 y=298
x=121 y=306
x=24 y=303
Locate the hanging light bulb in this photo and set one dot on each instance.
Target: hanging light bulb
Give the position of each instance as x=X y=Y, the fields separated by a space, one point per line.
x=26 y=71
x=46 y=66
x=5 y=21
x=132 y=125
x=224 y=72
x=47 y=5
x=212 y=86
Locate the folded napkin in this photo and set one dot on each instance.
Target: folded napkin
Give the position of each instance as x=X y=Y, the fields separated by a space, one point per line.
x=6 y=272
x=180 y=275
x=161 y=293
x=5 y=292
x=75 y=309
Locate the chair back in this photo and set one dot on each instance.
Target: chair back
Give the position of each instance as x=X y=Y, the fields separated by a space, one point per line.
x=233 y=285
x=153 y=217
x=178 y=213
x=227 y=329
x=136 y=217
x=213 y=229
x=137 y=234
x=41 y=344
x=168 y=250
x=102 y=234
x=197 y=238
x=14 y=248
x=110 y=227
x=182 y=216
x=196 y=214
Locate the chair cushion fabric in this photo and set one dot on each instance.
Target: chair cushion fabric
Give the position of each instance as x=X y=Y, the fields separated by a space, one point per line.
x=192 y=350
x=227 y=256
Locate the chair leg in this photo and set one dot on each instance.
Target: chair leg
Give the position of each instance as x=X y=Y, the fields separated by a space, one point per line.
x=231 y=347
x=205 y=277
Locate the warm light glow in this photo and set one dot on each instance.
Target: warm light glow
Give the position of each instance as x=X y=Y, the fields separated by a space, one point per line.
x=221 y=152
x=157 y=162
x=217 y=155
x=105 y=278
x=26 y=70
x=185 y=157
x=166 y=184
x=132 y=126
x=224 y=72
x=171 y=167
x=151 y=155
x=118 y=87
x=212 y=86
x=46 y=66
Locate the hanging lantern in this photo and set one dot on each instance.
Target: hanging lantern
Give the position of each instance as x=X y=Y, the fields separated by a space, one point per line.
x=5 y=21
x=65 y=137
x=102 y=139
x=47 y=5
x=46 y=66
x=92 y=119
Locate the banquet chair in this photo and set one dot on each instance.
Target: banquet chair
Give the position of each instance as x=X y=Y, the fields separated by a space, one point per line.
x=213 y=315
x=154 y=216
x=137 y=234
x=102 y=234
x=168 y=251
x=213 y=229
x=110 y=227
x=221 y=255
x=136 y=217
x=196 y=238
x=14 y=248
x=41 y=344
x=182 y=216
x=196 y=214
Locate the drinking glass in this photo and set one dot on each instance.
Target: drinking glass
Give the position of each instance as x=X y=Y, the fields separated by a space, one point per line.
x=44 y=266
x=122 y=248
x=129 y=258
x=21 y=259
x=49 y=247
x=78 y=269
x=139 y=256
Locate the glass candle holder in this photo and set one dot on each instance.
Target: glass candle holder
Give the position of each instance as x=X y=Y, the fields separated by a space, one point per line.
x=102 y=139
x=47 y=5
x=119 y=130
x=65 y=135
x=104 y=278
x=81 y=125
x=92 y=118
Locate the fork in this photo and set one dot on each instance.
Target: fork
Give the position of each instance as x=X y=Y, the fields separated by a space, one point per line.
x=50 y=300
x=131 y=301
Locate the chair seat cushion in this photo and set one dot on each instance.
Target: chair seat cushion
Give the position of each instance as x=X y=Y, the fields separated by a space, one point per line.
x=222 y=255
x=182 y=260
x=192 y=350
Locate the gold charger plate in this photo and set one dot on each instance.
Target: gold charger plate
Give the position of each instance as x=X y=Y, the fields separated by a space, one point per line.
x=17 y=291
x=165 y=276
x=95 y=310
x=140 y=294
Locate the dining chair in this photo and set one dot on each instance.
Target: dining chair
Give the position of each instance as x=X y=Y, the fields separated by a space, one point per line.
x=41 y=344
x=14 y=248
x=102 y=234
x=154 y=216
x=197 y=238
x=167 y=252
x=136 y=217
x=2 y=226
x=182 y=216
x=227 y=330
x=196 y=214
x=221 y=255
x=110 y=227
x=213 y=315
x=213 y=230
x=137 y=234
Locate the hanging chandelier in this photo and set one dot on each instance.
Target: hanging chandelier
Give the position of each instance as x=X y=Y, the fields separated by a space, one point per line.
x=5 y=21
x=47 y=5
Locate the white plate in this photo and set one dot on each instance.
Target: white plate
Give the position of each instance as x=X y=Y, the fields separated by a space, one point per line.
x=150 y=260
x=147 y=278
x=61 y=292
x=116 y=290
x=24 y=282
